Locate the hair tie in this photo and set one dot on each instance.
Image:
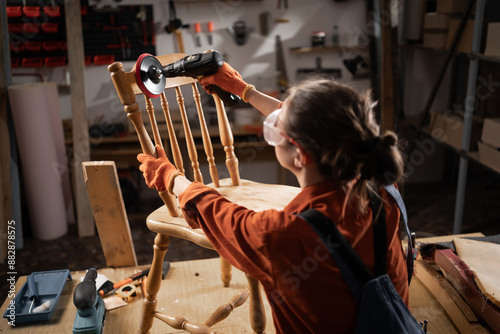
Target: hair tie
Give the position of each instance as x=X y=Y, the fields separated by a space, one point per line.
x=374 y=143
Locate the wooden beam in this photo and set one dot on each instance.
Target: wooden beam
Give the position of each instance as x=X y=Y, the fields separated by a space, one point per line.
x=6 y=211
x=81 y=145
x=106 y=199
x=386 y=73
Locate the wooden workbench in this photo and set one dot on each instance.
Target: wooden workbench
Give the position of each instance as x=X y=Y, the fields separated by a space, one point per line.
x=193 y=289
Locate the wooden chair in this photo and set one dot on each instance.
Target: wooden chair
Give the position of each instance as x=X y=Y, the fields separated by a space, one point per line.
x=167 y=220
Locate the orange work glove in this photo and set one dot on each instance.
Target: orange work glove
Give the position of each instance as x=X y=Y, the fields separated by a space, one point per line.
x=228 y=79
x=158 y=172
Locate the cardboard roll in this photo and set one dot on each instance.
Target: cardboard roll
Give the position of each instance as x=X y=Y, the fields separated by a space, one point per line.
x=148 y=75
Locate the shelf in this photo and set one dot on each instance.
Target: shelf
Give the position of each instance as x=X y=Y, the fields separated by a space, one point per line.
x=475 y=156
x=481 y=56
x=327 y=49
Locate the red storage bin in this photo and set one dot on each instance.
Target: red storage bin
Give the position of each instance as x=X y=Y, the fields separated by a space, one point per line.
x=55 y=61
x=31 y=11
x=104 y=59
x=63 y=45
x=32 y=62
x=33 y=46
x=50 y=27
x=52 y=11
x=15 y=28
x=50 y=46
x=17 y=46
x=31 y=28
x=14 y=62
x=14 y=11
x=88 y=60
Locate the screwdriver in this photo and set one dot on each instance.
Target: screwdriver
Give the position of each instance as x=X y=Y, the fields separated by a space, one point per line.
x=197 y=29
x=210 y=32
x=32 y=292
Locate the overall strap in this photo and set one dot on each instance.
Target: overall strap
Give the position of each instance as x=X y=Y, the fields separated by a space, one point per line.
x=346 y=259
x=353 y=269
x=391 y=190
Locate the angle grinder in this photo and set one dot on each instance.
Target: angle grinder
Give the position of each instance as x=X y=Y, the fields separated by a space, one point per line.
x=151 y=75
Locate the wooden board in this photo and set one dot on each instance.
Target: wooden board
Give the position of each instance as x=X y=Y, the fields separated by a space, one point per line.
x=482 y=258
x=110 y=216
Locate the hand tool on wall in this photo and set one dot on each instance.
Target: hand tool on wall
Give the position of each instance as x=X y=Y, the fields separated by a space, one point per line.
x=32 y=293
x=151 y=75
x=89 y=317
x=197 y=31
x=175 y=25
x=210 y=27
x=279 y=4
x=280 y=66
x=239 y=31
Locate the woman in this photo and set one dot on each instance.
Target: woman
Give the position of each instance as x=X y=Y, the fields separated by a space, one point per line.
x=326 y=135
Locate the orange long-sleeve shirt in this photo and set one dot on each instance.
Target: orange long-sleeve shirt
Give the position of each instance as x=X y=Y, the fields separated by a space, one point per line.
x=305 y=289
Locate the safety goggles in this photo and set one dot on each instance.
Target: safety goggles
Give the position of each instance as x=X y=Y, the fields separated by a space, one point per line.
x=272 y=135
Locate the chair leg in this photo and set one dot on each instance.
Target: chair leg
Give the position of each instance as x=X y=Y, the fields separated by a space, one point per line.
x=225 y=275
x=154 y=282
x=257 y=311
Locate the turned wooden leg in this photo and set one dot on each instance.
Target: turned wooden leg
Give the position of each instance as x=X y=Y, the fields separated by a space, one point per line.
x=225 y=275
x=154 y=282
x=257 y=311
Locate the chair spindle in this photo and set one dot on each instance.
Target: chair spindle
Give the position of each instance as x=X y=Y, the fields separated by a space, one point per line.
x=226 y=138
x=152 y=120
x=191 y=147
x=174 y=144
x=205 y=135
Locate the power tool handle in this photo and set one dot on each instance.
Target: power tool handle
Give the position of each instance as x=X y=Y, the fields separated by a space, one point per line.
x=229 y=99
x=85 y=293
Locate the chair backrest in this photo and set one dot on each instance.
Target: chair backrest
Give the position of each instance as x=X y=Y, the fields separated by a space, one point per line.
x=128 y=88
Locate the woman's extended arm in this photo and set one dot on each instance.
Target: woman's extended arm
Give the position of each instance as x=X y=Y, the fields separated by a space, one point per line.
x=264 y=103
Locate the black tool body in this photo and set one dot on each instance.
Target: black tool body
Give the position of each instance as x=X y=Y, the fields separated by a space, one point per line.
x=197 y=65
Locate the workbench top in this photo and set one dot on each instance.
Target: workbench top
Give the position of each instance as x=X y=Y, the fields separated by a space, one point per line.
x=193 y=289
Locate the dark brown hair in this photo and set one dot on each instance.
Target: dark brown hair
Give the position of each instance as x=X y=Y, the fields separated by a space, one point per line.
x=336 y=125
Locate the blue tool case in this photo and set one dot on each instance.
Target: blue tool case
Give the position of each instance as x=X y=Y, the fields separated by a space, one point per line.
x=49 y=285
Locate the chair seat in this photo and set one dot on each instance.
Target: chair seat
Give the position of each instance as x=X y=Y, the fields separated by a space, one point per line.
x=253 y=195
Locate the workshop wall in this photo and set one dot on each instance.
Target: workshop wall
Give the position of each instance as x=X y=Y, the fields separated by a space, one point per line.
x=255 y=59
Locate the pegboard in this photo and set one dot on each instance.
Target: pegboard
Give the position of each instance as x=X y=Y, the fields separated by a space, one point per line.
x=37 y=33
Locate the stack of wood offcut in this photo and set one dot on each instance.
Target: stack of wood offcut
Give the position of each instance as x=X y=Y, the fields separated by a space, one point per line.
x=471 y=267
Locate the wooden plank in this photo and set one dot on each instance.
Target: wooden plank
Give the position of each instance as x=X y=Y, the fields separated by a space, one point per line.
x=6 y=212
x=81 y=146
x=106 y=200
x=456 y=308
